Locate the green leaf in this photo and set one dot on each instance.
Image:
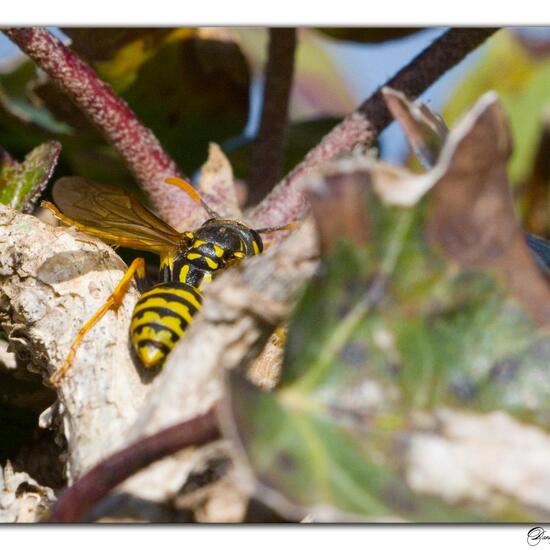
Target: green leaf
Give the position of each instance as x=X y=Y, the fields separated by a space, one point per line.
x=118 y=54
x=189 y=90
x=104 y=43
x=17 y=99
x=21 y=184
x=385 y=331
x=192 y=92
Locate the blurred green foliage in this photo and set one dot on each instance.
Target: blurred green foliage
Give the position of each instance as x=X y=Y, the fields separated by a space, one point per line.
x=385 y=331
x=188 y=90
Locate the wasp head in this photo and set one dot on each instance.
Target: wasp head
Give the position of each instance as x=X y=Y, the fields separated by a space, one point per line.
x=235 y=238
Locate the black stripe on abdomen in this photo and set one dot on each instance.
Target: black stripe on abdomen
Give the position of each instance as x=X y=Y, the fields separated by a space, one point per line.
x=160 y=319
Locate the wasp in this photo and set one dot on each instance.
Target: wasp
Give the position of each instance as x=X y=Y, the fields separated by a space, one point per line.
x=187 y=260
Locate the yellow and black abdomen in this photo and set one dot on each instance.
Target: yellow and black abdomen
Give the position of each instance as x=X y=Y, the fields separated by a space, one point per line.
x=160 y=319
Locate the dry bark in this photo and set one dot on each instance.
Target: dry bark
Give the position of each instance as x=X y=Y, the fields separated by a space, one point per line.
x=22 y=499
x=51 y=281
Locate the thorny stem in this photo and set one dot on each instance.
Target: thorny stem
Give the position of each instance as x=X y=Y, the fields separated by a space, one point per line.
x=79 y=500
x=286 y=203
x=424 y=70
x=140 y=149
x=268 y=152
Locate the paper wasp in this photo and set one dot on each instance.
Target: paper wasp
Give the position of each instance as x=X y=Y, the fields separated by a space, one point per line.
x=187 y=260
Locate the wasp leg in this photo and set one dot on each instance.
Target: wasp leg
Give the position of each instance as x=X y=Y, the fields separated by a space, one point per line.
x=114 y=301
x=56 y=212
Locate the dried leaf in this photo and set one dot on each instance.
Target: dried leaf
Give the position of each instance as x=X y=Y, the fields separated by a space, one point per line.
x=216 y=182
x=473 y=216
x=22 y=499
x=265 y=371
x=425 y=130
x=339 y=192
x=534 y=192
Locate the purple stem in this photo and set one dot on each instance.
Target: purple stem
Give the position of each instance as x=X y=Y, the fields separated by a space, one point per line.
x=140 y=149
x=79 y=499
x=269 y=146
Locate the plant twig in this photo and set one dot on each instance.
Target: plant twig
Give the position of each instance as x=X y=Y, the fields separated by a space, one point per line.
x=285 y=203
x=448 y=50
x=268 y=152
x=140 y=149
x=79 y=499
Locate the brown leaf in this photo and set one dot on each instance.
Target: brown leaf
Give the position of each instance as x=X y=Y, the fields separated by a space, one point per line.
x=473 y=217
x=338 y=204
x=425 y=130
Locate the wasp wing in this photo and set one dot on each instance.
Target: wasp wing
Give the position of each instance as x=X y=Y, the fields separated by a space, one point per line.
x=113 y=215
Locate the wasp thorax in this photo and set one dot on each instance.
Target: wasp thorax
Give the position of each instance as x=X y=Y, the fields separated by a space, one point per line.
x=216 y=245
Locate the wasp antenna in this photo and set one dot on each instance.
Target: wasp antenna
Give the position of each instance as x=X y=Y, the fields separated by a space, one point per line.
x=186 y=186
x=286 y=227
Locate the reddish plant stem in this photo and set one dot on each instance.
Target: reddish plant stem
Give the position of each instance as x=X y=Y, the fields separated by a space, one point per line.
x=269 y=146
x=448 y=50
x=77 y=501
x=137 y=145
x=359 y=129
